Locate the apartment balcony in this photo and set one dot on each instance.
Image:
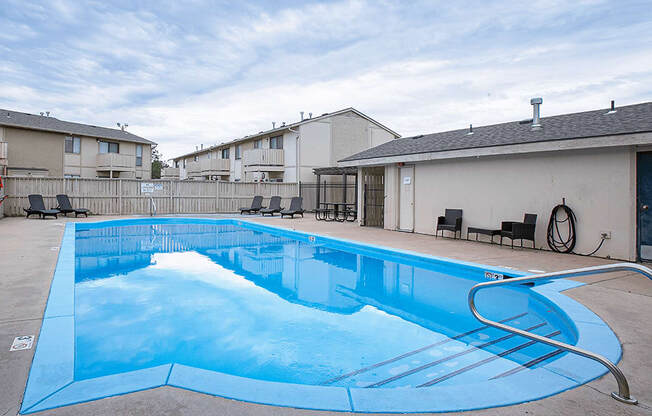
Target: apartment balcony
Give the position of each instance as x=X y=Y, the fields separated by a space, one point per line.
x=211 y=167
x=193 y=170
x=3 y=154
x=115 y=162
x=170 y=173
x=269 y=160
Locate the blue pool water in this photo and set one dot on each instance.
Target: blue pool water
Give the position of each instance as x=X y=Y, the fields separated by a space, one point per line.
x=257 y=313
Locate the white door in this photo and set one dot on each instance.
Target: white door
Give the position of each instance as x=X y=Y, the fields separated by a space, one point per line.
x=406 y=208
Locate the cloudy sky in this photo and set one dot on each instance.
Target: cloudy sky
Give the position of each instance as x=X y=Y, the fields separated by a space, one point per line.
x=210 y=71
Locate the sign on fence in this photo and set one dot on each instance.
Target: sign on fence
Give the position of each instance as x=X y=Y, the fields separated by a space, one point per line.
x=149 y=187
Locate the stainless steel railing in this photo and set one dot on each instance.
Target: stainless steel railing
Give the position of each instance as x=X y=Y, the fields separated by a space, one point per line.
x=623 y=387
x=152 y=207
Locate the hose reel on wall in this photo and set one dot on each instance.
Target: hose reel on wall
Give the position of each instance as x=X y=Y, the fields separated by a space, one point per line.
x=561 y=233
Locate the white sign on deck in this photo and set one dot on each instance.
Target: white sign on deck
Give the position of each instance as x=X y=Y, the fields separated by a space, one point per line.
x=149 y=187
x=22 y=343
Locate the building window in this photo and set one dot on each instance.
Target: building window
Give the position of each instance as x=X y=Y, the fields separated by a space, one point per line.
x=237 y=152
x=139 y=155
x=184 y=163
x=176 y=164
x=195 y=158
x=225 y=153
x=257 y=144
x=109 y=147
x=276 y=142
x=72 y=144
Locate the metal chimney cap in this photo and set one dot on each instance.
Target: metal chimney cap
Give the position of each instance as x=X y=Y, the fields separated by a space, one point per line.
x=537 y=100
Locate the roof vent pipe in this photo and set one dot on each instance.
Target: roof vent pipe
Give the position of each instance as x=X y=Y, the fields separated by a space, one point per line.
x=470 y=129
x=202 y=146
x=42 y=113
x=283 y=124
x=612 y=109
x=47 y=113
x=273 y=125
x=309 y=115
x=536 y=112
x=301 y=115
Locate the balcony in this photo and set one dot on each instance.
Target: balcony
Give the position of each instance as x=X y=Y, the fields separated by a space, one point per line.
x=3 y=154
x=170 y=173
x=263 y=160
x=115 y=162
x=209 y=167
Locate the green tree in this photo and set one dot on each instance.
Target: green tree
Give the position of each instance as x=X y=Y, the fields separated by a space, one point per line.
x=157 y=164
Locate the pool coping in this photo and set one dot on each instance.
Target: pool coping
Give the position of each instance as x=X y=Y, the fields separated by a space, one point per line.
x=51 y=380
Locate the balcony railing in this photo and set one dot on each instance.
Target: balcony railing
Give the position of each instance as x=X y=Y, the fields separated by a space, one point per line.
x=263 y=157
x=214 y=166
x=115 y=161
x=3 y=153
x=170 y=173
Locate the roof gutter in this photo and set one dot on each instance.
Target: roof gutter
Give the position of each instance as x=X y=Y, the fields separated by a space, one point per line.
x=297 y=156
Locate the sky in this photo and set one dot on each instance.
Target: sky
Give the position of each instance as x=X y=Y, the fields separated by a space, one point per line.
x=191 y=72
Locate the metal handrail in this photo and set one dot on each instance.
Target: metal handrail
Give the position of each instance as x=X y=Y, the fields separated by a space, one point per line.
x=152 y=207
x=623 y=387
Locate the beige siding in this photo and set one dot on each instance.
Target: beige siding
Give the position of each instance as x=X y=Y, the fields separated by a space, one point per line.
x=35 y=150
x=598 y=185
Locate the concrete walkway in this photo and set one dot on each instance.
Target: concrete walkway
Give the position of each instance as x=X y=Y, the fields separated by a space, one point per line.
x=29 y=249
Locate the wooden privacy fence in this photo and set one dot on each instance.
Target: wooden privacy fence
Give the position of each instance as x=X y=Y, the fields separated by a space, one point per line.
x=124 y=196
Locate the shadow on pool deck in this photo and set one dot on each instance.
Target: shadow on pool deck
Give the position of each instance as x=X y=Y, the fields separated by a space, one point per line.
x=28 y=253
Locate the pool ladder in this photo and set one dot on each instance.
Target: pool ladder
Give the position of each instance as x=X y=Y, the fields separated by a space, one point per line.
x=152 y=207
x=623 y=387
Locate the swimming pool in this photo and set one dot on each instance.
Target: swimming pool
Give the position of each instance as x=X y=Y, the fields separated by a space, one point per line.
x=268 y=315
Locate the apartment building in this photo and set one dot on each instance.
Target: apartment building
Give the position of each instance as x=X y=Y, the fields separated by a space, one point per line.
x=41 y=145
x=287 y=152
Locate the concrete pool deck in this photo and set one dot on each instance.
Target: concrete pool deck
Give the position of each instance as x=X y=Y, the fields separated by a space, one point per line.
x=29 y=249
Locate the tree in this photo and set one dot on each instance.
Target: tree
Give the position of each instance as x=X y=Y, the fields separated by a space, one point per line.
x=157 y=164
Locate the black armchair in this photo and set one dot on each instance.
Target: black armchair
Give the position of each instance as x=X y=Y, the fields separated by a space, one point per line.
x=519 y=230
x=451 y=221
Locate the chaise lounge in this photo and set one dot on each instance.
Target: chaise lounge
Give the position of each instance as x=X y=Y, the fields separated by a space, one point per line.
x=256 y=205
x=66 y=207
x=37 y=206
x=295 y=207
x=451 y=221
x=274 y=206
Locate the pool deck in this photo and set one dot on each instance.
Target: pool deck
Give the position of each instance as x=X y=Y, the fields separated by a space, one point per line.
x=28 y=254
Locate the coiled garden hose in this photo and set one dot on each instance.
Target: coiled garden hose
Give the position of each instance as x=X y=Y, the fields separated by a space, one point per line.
x=563 y=217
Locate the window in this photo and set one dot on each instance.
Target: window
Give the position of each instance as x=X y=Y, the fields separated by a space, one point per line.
x=72 y=144
x=139 y=155
x=237 y=152
x=276 y=142
x=225 y=153
x=176 y=164
x=184 y=163
x=109 y=147
x=71 y=176
x=195 y=158
x=257 y=144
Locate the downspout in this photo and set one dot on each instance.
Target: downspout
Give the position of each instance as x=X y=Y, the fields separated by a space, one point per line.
x=297 y=154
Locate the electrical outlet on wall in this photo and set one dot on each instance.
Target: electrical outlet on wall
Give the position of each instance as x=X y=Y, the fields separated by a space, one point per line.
x=605 y=235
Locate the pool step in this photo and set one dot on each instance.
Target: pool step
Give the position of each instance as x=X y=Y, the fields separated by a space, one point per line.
x=529 y=364
x=423 y=364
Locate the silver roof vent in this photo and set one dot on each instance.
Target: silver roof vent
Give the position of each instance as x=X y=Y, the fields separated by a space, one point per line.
x=301 y=115
x=309 y=115
x=273 y=125
x=536 y=112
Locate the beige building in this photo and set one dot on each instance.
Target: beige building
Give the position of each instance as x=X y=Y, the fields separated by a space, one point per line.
x=286 y=153
x=599 y=161
x=39 y=145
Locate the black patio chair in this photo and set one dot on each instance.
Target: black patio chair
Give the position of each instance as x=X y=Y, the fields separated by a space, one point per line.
x=295 y=207
x=519 y=230
x=256 y=205
x=66 y=207
x=451 y=221
x=274 y=206
x=37 y=206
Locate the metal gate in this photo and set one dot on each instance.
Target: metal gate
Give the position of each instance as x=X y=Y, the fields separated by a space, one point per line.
x=374 y=200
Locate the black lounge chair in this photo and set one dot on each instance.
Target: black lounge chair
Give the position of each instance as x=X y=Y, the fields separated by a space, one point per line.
x=519 y=230
x=256 y=205
x=295 y=207
x=274 y=206
x=66 y=207
x=451 y=221
x=36 y=206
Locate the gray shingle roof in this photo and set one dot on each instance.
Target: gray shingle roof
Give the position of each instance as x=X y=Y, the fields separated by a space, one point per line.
x=635 y=118
x=36 y=122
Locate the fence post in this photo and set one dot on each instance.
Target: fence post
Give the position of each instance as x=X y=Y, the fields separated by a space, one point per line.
x=119 y=196
x=171 y=199
x=217 y=196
